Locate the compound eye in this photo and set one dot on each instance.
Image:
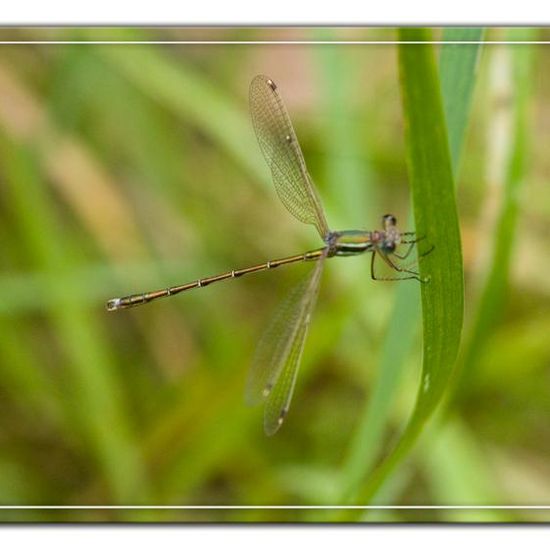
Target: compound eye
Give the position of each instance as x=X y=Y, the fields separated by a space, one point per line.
x=389 y=219
x=389 y=247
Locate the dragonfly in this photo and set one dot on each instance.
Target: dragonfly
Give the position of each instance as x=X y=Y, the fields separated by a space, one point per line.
x=272 y=376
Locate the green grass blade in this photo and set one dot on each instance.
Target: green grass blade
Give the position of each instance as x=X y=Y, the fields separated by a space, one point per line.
x=493 y=293
x=436 y=217
x=457 y=68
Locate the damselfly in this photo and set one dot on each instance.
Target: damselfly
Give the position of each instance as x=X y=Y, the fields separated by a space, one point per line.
x=273 y=373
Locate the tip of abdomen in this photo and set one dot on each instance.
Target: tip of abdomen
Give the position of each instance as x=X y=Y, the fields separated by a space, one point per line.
x=114 y=304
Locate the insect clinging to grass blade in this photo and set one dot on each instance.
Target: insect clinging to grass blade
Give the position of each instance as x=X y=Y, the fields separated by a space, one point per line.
x=273 y=373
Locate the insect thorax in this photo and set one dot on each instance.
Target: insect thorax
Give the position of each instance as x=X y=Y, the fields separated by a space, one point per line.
x=349 y=242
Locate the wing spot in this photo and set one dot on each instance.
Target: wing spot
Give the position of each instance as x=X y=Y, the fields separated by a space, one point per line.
x=271 y=84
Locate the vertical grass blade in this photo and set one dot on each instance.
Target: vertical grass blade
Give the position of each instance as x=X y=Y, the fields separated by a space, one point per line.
x=493 y=291
x=436 y=217
x=457 y=68
x=458 y=65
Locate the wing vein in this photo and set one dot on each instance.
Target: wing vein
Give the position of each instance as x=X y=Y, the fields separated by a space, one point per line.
x=282 y=152
x=273 y=373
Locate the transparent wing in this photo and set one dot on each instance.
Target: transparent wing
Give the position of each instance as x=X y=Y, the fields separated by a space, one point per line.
x=283 y=155
x=275 y=365
x=279 y=399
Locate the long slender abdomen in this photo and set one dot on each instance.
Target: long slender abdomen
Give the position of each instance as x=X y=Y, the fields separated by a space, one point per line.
x=134 y=300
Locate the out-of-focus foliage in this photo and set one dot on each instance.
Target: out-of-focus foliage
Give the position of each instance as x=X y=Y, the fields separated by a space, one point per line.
x=130 y=167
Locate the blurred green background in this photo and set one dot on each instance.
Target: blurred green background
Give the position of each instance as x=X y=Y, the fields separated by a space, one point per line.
x=125 y=168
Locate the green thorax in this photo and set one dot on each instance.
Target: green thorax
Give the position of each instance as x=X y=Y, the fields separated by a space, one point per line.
x=350 y=242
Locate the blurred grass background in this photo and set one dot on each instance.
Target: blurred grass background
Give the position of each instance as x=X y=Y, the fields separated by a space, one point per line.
x=130 y=167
